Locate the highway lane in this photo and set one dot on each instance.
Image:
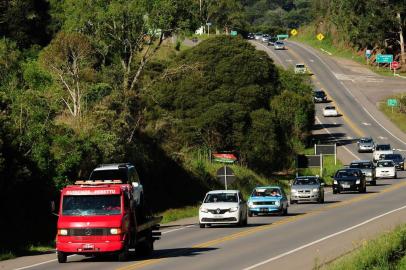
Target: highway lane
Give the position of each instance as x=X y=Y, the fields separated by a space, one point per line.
x=267 y=237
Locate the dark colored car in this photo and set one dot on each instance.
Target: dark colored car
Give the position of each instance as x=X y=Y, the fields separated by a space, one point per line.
x=349 y=180
x=272 y=40
x=396 y=158
x=251 y=36
x=319 y=96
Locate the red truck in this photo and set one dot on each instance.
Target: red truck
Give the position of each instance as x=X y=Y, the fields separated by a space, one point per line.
x=101 y=217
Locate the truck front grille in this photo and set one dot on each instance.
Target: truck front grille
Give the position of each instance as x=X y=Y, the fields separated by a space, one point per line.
x=88 y=231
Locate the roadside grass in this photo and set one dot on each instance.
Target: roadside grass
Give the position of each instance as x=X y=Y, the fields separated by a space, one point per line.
x=27 y=251
x=179 y=213
x=396 y=116
x=388 y=251
x=307 y=35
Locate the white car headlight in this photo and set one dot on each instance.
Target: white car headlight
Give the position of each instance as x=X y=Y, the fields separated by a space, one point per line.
x=315 y=190
x=358 y=182
x=277 y=203
x=250 y=204
x=62 y=232
x=233 y=209
x=204 y=210
x=335 y=182
x=293 y=190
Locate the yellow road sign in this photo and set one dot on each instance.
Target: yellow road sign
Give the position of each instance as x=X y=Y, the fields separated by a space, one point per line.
x=293 y=32
x=320 y=36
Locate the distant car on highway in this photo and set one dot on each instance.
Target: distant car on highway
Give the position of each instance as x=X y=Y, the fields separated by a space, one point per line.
x=366 y=144
x=319 y=96
x=258 y=36
x=267 y=200
x=300 y=68
x=398 y=159
x=279 y=45
x=381 y=149
x=349 y=180
x=330 y=111
x=272 y=40
x=251 y=36
x=386 y=169
x=265 y=38
x=307 y=188
x=368 y=169
x=223 y=207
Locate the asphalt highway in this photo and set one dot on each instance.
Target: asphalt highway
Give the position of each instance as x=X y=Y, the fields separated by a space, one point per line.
x=311 y=234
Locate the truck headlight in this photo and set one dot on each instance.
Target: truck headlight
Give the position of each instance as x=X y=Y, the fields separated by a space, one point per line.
x=315 y=190
x=335 y=182
x=63 y=232
x=233 y=209
x=204 y=210
x=358 y=182
x=277 y=203
x=115 y=231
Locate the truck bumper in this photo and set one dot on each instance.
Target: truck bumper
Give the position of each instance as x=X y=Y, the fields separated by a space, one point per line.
x=83 y=248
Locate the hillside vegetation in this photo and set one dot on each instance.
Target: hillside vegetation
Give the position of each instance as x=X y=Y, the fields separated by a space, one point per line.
x=90 y=82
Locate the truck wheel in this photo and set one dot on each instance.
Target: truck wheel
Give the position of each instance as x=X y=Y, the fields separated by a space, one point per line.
x=62 y=257
x=122 y=256
x=145 y=248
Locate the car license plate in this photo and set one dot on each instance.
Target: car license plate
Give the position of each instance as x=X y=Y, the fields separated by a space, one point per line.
x=264 y=209
x=217 y=216
x=345 y=186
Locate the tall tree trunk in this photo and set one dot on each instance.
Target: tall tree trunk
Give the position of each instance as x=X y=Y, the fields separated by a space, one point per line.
x=402 y=43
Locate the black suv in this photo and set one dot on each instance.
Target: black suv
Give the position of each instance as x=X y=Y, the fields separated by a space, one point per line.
x=349 y=180
x=396 y=158
x=319 y=96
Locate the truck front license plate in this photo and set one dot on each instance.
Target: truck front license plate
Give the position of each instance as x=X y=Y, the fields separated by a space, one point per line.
x=88 y=247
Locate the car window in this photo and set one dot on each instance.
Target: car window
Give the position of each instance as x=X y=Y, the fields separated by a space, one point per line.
x=330 y=108
x=344 y=174
x=300 y=66
x=383 y=164
x=221 y=197
x=361 y=165
x=265 y=192
x=306 y=181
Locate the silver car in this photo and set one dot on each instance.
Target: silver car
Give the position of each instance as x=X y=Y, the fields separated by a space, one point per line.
x=307 y=188
x=367 y=168
x=366 y=145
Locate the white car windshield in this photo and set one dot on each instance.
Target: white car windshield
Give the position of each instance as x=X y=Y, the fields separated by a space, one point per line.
x=221 y=197
x=306 y=181
x=385 y=164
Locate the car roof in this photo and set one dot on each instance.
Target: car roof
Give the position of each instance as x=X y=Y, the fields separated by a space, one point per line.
x=223 y=191
x=361 y=161
x=261 y=187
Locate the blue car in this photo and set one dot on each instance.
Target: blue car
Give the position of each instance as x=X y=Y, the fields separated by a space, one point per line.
x=267 y=200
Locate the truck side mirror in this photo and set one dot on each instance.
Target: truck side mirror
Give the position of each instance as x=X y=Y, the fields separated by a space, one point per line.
x=53 y=208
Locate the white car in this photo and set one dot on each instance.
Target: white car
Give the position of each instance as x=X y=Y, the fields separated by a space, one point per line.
x=279 y=45
x=223 y=207
x=330 y=111
x=382 y=149
x=385 y=169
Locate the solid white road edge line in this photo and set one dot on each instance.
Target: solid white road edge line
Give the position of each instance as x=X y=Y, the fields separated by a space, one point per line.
x=349 y=91
x=345 y=147
x=324 y=238
x=41 y=263
x=274 y=54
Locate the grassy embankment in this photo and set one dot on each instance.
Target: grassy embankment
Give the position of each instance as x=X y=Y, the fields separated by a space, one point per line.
x=395 y=114
x=307 y=35
x=388 y=251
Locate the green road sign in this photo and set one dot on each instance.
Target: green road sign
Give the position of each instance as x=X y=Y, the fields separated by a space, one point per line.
x=282 y=37
x=233 y=33
x=384 y=58
x=392 y=102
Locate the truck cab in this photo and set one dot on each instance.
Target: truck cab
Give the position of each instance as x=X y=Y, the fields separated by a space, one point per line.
x=100 y=217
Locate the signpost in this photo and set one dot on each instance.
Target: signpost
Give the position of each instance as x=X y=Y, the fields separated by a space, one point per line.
x=208 y=28
x=224 y=158
x=310 y=161
x=384 y=58
x=233 y=33
x=282 y=37
x=226 y=176
x=392 y=102
x=293 y=32
x=320 y=36
x=326 y=149
x=368 y=55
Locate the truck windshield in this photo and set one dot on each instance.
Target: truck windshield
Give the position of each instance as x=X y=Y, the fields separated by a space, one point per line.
x=92 y=205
